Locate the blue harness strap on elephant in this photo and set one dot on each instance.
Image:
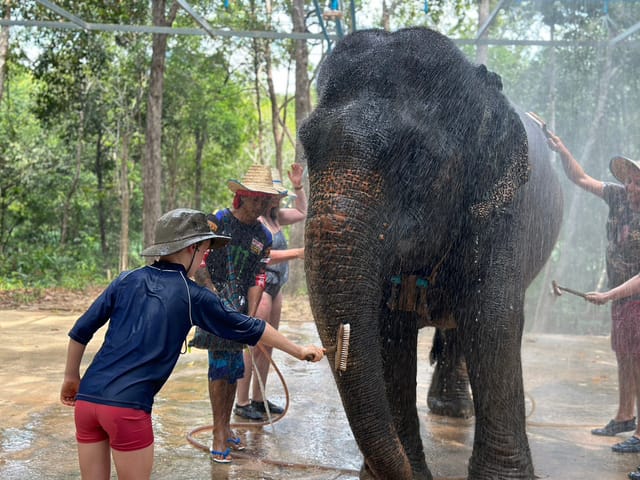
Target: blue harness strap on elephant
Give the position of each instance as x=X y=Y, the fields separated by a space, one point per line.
x=409 y=294
x=404 y=295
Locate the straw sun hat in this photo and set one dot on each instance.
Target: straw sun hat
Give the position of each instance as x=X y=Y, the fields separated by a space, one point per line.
x=257 y=179
x=622 y=167
x=179 y=228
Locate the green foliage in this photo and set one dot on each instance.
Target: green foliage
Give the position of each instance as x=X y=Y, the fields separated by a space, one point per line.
x=85 y=94
x=204 y=100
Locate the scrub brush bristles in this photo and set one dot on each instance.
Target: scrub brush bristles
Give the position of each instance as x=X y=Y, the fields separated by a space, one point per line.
x=342 y=347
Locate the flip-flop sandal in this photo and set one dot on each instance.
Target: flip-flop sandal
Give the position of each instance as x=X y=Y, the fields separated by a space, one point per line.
x=236 y=444
x=225 y=454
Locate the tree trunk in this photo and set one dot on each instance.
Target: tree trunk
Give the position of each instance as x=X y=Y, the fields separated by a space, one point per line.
x=201 y=138
x=102 y=214
x=386 y=24
x=171 y=174
x=482 y=51
x=277 y=126
x=277 y=130
x=256 y=85
x=152 y=162
x=4 y=46
x=303 y=108
x=66 y=206
x=125 y=200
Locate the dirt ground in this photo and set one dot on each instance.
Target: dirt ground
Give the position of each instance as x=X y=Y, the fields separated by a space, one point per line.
x=58 y=300
x=52 y=299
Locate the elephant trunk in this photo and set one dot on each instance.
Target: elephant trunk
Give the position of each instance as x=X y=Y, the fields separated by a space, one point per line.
x=344 y=260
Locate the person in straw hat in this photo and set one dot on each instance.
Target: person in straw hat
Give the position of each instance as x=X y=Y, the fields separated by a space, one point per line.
x=238 y=274
x=623 y=262
x=150 y=312
x=270 y=306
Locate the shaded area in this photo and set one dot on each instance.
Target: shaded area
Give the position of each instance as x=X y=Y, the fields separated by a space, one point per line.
x=570 y=384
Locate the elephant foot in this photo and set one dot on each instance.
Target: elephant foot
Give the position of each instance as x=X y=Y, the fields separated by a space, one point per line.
x=449 y=395
x=367 y=474
x=451 y=408
x=523 y=471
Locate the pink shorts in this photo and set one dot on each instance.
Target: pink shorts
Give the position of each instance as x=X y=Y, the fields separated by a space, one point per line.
x=625 y=327
x=126 y=428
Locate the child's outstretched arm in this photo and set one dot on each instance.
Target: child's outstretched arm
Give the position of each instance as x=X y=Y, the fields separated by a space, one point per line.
x=71 y=382
x=275 y=339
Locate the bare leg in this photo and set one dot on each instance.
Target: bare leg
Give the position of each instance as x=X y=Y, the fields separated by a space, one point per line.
x=221 y=394
x=270 y=309
x=627 y=365
x=95 y=460
x=135 y=464
x=635 y=360
x=245 y=382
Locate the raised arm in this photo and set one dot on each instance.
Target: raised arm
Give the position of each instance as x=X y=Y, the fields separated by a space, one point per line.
x=573 y=169
x=287 y=216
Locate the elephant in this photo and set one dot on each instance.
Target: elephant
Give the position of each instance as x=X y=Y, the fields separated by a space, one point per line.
x=433 y=202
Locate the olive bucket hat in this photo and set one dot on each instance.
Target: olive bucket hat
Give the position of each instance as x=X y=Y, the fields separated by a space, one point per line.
x=257 y=179
x=179 y=228
x=622 y=167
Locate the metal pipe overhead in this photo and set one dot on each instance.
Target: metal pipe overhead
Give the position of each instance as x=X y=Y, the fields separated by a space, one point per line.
x=491 y=18
x=198 y=18
x=76 y=23
x=628 y=32
x=111 y=27
x=206 y=28
x=61 y=11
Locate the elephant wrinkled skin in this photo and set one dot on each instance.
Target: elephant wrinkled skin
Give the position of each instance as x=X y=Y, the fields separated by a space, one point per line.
x=432 y=201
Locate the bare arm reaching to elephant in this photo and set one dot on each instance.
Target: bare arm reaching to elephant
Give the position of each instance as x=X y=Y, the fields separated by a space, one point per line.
x=573 y=169
x=628 y=288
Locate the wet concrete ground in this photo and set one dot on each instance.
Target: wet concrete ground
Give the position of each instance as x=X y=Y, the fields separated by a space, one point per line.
x=570 y=383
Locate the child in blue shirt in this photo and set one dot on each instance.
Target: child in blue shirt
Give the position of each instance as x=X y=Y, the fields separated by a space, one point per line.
x=150 y=312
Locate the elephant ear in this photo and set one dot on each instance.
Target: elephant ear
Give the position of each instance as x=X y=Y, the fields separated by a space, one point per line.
x=502 y=146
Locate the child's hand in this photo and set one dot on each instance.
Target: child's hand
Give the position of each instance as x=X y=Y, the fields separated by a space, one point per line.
x=69 y=391
x=312 y=353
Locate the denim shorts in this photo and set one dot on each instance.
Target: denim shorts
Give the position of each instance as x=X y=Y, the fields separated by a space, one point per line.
x=226 y=365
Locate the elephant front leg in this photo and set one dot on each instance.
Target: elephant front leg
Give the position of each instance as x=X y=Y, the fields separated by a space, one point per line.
x=492 y=350
x=399 y=333
x=449 y=393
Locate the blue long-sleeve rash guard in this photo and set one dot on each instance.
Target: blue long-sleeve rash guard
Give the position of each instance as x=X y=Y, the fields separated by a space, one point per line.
x=151 y=311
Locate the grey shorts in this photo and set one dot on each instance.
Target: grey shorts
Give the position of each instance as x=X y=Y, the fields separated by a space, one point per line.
x=273 y=283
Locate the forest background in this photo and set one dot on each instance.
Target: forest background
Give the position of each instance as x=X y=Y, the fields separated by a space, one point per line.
x=102 y=131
